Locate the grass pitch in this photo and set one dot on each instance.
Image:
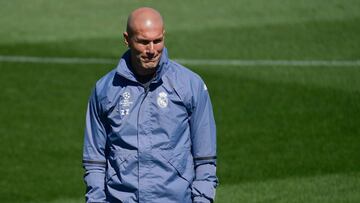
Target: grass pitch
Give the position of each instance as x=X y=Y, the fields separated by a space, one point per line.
x=285 y=134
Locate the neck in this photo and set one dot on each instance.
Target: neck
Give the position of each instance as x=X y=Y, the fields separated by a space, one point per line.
x=144 y=72
x=143 y=75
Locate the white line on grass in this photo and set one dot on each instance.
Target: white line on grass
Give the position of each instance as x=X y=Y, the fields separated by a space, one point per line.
x=70 y=60
x=211 y=62
x=269 y=62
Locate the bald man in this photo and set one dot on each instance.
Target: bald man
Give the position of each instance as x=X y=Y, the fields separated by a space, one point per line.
x=150 y=133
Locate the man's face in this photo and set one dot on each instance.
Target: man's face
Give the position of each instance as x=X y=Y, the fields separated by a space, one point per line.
x=146 y=45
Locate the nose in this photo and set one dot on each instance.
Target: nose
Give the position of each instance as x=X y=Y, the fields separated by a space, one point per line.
x=150 y=49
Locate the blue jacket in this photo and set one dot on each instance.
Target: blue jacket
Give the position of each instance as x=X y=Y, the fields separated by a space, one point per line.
x=155 y=144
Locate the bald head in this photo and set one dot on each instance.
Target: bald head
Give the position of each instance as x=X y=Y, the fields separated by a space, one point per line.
x=145 y=36
x=144 y=18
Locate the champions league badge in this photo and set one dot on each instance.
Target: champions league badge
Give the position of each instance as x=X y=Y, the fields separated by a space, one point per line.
x=162 y=100
x=125 y=100
x=125 y=103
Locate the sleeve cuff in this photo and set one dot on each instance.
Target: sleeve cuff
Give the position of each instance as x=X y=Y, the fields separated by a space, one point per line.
x=200 y=199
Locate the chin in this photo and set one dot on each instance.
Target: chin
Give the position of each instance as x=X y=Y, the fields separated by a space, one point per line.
x=151 y=65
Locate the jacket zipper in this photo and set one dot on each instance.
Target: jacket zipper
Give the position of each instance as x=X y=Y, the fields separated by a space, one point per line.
x=137 y=120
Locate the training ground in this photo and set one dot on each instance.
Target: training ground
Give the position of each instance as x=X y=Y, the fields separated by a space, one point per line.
x=283 y=76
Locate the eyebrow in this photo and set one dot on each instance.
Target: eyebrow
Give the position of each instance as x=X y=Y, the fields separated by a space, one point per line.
x=144 y=39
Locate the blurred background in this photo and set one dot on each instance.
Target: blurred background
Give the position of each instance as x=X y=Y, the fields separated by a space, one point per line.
x=283 y=77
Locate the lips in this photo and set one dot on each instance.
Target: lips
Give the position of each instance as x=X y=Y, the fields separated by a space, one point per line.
x=146 y=60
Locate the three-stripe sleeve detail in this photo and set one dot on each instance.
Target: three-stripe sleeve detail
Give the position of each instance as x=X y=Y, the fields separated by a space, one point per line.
x=204 y=158
x=93 y=162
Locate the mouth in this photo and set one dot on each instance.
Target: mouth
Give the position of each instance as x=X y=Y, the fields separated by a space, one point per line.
x=150 y=60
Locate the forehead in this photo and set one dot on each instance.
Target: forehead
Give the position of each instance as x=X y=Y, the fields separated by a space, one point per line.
x=149 y=33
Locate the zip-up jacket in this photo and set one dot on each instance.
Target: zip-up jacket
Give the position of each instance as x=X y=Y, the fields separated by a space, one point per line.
x=150 y=144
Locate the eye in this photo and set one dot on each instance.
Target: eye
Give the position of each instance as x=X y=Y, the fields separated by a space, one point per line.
x=143 y=42
x=157 y=41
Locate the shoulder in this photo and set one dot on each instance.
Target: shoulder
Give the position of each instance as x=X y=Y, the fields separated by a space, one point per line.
x=184 y=76
x=105 y=81
x=187 y=84
x=104 y=85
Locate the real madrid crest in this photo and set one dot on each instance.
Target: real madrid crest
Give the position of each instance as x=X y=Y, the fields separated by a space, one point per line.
x=162 y=100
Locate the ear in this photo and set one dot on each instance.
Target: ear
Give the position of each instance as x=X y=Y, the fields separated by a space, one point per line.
x=126 y=38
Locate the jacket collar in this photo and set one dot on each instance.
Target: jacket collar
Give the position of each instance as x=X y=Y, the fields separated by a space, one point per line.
x=124 y=68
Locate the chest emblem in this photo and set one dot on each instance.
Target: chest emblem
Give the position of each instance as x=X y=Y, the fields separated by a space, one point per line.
x=125 y=103
x=125 y=99
x=162 y=100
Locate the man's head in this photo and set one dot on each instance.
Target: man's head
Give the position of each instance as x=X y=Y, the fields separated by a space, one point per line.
x=145 y=37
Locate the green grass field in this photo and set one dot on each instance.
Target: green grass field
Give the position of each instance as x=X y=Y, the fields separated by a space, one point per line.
x=285 y=133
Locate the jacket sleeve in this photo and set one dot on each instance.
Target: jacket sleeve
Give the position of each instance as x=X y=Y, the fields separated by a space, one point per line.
x=94 y=161
x=203 y=135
